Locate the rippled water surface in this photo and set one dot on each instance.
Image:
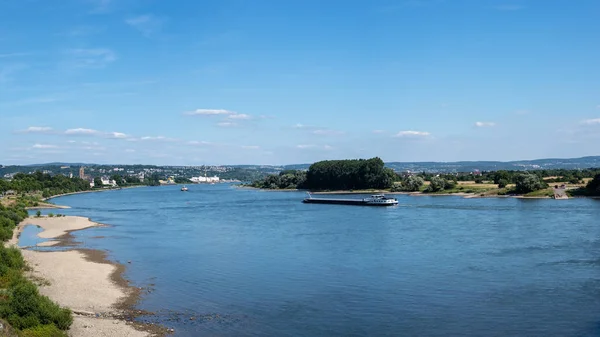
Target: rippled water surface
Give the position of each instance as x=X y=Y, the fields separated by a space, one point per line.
x=254 y=263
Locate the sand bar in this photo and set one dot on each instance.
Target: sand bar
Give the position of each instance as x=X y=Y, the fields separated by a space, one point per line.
x=82 y=280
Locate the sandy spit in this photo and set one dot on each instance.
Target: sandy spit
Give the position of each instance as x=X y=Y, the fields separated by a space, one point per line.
x=82 y=280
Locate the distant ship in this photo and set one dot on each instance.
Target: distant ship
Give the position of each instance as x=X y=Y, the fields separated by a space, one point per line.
x=374 y=200
x=184 y=189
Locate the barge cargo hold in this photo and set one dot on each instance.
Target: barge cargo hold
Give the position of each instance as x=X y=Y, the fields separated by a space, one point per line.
x=374 y=200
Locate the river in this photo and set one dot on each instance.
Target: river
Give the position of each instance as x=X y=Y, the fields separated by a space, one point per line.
x=223 y=261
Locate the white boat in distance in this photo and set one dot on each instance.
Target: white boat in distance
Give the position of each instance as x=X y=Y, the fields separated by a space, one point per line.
x=184 y=189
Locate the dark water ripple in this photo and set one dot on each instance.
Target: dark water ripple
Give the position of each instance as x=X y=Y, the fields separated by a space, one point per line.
x=228 y=262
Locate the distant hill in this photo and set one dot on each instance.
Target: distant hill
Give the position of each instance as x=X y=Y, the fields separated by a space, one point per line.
x=459 y=166
x=469 y=166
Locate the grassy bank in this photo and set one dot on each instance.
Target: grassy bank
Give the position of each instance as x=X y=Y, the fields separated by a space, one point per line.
x=27 y=312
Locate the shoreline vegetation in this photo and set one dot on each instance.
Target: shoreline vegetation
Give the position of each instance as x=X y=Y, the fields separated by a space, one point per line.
x=83 y=280
x=66 y=292
x=370 y=176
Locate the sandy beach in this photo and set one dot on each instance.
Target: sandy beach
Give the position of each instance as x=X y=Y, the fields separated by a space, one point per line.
x=82 y=280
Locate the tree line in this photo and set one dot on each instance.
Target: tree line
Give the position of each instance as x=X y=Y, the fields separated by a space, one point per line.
x=47 y=184
x=354 y=174
x=21 y=304
x=371 y=174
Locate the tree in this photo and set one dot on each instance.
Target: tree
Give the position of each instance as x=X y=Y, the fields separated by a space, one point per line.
x=527 y=182
x=412 y=183
x=436 y=184
x=502 y=183
x=593 y=187
x=38 y=214
x=97 y=182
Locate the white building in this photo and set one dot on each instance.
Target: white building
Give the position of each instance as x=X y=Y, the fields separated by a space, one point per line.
x=201 y=180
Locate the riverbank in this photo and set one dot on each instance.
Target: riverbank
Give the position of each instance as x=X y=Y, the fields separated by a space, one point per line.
x=84 y=281
x=91 y=191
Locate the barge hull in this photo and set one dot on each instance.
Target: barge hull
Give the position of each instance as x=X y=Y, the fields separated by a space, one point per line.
x=342 y=202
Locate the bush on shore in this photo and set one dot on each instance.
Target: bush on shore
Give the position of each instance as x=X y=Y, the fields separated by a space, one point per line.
x=21 y=305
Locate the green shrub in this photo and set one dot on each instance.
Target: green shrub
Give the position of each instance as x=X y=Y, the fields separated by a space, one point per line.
x=48 y=330
x=38 y=214
x=50 y=215
x=6 y=233
x=502 y=183
x=11 y=258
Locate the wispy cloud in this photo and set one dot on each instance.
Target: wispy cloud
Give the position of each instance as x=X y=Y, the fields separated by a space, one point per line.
x=209 y=112
x=313 y=146
x=37 y=129
x=80 y=31
x=196 y=142
x=304 y=127
x=82 y=132
x=319 y=131
x=485 y=124
x=7 y=72
x=378 y=131
x=91 y=58
x=327 y=132
x=239 y=116
x=592 y=121
x=158 y=138
x=226 y=124
x=251 y=147
x=129 y=150
x=147 y=24
x=15 y=55
x=100 y=6
x=411 y=133
x=44 y=146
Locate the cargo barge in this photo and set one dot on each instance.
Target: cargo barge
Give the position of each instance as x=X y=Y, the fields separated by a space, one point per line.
x=374 y=200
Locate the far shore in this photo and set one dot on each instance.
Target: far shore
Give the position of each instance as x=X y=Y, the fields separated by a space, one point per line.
x=91 y=191
x=476 y=195
x=84 y=281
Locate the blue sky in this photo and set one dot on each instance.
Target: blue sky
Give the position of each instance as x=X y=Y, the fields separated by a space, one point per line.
x=277 y=82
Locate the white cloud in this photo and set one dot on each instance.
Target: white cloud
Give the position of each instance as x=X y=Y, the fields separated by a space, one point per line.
x=250 y=147
x=117 y=135
x=226 y=124
x=158 y=138
x=210 y=112
x=82 y=131
x=303 y=126
x=130 y=150
x=147 y=24
x=91 y=58
x=37 y=129
x=195 y=142
x=313 y=146
x=484 y=124
x=239 y=116
x=410 y=133
x=591 y=121
x=326 y=132
x=44 y=146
